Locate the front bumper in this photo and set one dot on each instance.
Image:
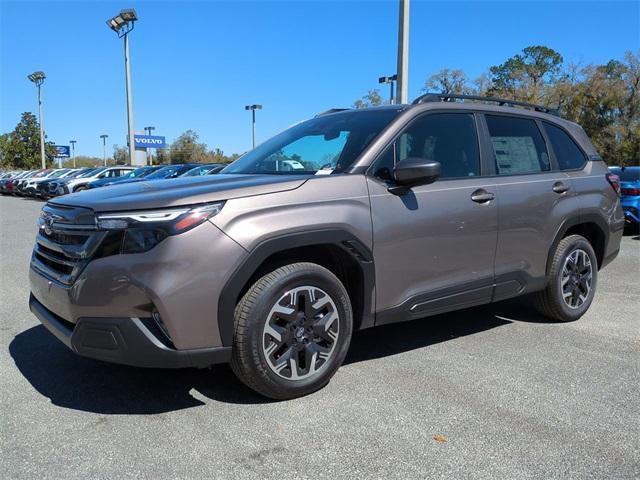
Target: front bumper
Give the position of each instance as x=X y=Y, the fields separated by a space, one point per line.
x=129 y=341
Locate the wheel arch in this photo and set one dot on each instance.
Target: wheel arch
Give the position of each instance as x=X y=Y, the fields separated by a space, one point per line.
x=337 y=250
x=592 y=227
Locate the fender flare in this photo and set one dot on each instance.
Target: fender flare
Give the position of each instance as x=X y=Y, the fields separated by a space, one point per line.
x=572 y=222
x=336 y=237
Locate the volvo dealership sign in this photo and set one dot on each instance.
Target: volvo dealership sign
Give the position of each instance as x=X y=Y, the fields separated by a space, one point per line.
x=149 y=141
x=62 y=151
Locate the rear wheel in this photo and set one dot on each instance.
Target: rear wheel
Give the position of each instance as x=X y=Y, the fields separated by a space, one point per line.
x=573 y=280
x=292 y=331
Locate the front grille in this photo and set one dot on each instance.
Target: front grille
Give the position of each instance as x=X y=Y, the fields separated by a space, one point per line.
x=65 y=243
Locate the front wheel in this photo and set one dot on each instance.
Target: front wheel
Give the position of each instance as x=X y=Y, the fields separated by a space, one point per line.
x=79 y=189
x=292 y=331
x=573 y=280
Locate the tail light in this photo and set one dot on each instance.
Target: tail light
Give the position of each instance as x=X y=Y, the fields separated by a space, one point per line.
x=631 y=192
x=614 y=181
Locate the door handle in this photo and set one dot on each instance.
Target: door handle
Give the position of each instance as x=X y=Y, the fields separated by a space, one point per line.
x=560 y=187
x=482 y=196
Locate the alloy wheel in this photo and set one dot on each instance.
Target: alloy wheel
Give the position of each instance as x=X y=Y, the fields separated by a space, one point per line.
x=300 y=333
x=577 y=275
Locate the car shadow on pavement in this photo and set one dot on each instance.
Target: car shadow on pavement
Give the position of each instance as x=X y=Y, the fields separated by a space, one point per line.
x=71 y=381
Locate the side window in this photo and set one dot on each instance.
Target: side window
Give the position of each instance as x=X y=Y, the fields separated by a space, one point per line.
x=448 y=138
x=518 y=145
x=567 y=152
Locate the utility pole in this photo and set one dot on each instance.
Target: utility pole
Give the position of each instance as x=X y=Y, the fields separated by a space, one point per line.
x=38 y=79
x=104 y=148
x=149 y=130
x=73 y=151
x=403 y=53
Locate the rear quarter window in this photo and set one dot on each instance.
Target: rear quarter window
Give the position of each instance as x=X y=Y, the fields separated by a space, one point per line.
x=518 y=145
x=568 y=154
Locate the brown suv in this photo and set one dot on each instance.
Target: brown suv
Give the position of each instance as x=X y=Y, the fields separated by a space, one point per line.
x=346 y=221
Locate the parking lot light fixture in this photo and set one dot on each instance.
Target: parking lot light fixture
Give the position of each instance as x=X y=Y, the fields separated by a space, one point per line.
x=123 y=24
x=253 y=109
x=38 y=79
x=391 y=81
x=104 y=148
x=73 y=151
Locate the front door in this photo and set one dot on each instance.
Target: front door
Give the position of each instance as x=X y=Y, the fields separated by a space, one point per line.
x=434 y=247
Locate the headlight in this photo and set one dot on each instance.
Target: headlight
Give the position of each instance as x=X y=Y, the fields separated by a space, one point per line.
x=140 y=231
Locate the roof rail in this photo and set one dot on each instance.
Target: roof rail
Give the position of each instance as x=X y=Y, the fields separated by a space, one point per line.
x=449 y=97
x=331 y=110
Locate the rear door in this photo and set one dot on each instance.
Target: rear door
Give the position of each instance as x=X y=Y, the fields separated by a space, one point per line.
x=533 y=201
x=433 y=246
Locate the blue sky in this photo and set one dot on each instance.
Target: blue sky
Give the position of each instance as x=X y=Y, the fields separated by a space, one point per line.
x=196 y=64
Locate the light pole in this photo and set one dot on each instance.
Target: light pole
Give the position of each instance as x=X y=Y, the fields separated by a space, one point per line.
x=390 y=80
x=38 y=79
x=149 y=130
x=403 y=53
x=253 y=109
x=122 y=24
x=104 y=148
x=73 y=151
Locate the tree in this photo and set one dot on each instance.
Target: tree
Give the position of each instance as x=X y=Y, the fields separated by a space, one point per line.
x=83 y=161
x=120 y=155
x=187 y=149
x=523 y=76
x=21 y=149
x=372 y=98
x=448 y=81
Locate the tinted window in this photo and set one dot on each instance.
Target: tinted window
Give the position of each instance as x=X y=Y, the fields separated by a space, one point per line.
x=448 y=138
x=567 y=152
x=518 y=145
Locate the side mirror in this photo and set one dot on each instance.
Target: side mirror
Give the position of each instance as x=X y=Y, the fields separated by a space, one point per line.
x=414 y=171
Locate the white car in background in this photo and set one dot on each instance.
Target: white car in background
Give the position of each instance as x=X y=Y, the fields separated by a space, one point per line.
x=31 y=186
x=80 y=183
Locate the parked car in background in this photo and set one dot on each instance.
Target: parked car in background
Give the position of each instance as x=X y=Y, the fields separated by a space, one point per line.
x=21 y=184
x=135 y=173
x=7 y=183
x=399 y=212
x=206 y=169
x=629 y=193
x=42 y=188
x=31 y=185
x=80 y=183
x=164 y=173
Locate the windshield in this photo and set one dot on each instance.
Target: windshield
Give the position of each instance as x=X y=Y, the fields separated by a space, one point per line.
x=77 y=173
x=138 y=172
x=169 y=171
x=58 y=173
x=196 y=172
x=92 y=172
x=325 y=144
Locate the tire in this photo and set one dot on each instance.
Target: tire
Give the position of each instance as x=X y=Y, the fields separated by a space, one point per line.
x=280 y=304
x=578 y=283
x=79 y=189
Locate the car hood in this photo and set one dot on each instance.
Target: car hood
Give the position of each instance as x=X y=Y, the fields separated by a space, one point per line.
x=179 y=191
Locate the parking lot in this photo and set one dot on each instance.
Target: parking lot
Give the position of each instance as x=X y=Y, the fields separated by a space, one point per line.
x=492 y=392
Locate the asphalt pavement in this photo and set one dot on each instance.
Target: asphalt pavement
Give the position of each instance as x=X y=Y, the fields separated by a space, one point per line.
x=491 y=392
